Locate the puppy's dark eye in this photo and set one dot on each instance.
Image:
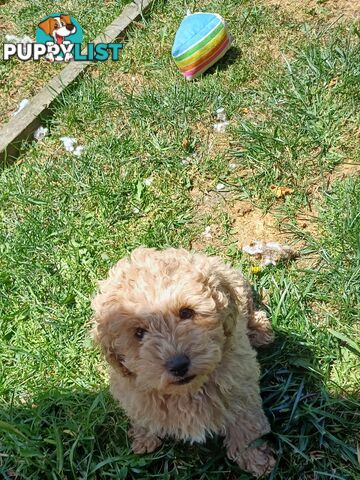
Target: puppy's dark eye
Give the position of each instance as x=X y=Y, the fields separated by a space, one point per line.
x=186 y=313
x=139 y=333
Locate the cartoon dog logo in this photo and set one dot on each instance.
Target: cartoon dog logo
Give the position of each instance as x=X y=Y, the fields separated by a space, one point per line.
x=58 y=28
x=59 y=37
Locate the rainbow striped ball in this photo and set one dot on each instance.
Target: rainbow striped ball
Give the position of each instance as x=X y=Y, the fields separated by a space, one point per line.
x=201 y=40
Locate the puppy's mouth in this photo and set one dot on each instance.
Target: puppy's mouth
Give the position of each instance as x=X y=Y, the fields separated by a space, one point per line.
x=185 y=380
x=59 y=38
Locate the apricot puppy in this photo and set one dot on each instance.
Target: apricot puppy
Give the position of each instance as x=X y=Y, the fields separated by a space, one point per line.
x=178 y=331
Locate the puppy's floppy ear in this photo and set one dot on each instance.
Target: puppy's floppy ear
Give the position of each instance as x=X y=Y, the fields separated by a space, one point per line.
x=104 y=304
x=232 y=293
x=102 y=336
x=240 y=305
x=66 y=19
x=48 y=25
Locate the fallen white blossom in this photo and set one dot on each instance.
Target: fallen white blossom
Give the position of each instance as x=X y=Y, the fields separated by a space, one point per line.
x=21 y=106
x=220 y=186
x=189 y=159
x=148 y=181
x=269 y=253
x=207 y=232
x=40 y=133
x=221 y=115
x=222 y=123
x=78 y=150
x=69 y=145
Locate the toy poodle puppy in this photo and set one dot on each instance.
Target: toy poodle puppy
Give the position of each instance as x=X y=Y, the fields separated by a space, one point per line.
x=178 y=330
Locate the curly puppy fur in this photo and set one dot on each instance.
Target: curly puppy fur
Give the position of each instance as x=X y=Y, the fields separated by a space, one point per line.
x=139 y=323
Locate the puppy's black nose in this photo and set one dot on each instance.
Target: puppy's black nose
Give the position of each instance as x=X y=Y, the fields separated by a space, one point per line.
x=70 y=26
x=178 y=365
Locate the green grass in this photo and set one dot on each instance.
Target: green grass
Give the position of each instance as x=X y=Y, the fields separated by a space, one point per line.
x=66 y=220
x=308 y=121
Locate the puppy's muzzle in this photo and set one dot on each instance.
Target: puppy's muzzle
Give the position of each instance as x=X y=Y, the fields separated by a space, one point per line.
x=178 y=365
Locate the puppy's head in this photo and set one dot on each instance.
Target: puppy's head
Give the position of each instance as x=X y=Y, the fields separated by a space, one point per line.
x=162 y=317
x=58 y=27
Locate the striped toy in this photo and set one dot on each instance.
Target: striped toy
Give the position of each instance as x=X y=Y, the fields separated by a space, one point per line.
x=201 y=40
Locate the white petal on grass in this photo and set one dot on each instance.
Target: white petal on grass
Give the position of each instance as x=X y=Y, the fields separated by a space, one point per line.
x=221 y=115
x=189 y=159
x=220 y=186
x=78 y=150
x=21 y=106
x=69 y=143
x=148 y=181
x=207 y=232
x=40 y=133
x=220 y=127
x=222 y=121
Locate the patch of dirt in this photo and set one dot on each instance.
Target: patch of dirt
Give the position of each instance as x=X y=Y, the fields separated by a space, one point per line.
x=247 y=222
x=6 y=25
x=211 y=205
x=327 y=9
x=250 y=223
x=342 y=171
x=238 y=221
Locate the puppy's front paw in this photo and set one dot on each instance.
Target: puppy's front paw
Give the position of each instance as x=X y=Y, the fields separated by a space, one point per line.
x=258 y=460
x=142 y=441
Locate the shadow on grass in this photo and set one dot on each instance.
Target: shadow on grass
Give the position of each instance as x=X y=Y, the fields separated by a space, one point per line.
x=82 y=435
x=231 y=56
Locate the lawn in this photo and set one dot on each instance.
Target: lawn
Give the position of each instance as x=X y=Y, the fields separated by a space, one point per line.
x=150 y=175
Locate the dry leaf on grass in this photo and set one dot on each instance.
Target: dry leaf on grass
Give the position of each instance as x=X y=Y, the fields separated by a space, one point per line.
x=280 y=192
x=333 y=82
x=185 y=143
